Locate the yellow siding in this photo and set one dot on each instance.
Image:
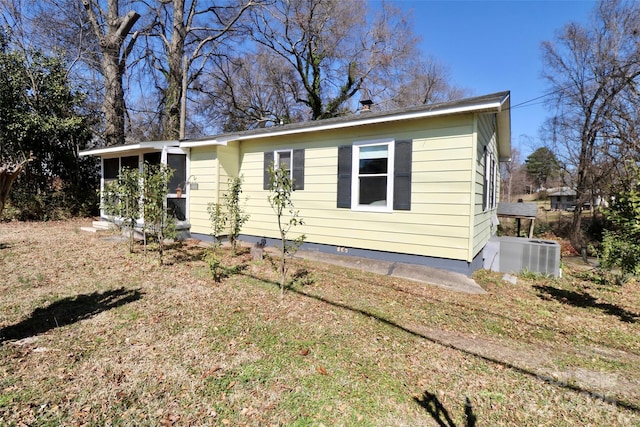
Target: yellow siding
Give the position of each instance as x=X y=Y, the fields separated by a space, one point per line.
x=229 y=163
x=204 y=171
x=211 y=167
x=482 y=220
x=439 y=222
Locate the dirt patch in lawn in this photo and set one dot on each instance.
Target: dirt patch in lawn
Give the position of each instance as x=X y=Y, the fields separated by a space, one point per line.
x=92 y=334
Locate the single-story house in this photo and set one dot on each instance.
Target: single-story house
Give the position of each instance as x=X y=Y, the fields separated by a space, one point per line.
x=417 y=185
x=562 y=198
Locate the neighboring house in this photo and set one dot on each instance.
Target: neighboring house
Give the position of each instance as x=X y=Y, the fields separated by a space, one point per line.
x=562 y=198
x=417 y=185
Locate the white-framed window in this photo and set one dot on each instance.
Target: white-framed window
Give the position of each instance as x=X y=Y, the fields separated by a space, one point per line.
x=490 y=199
x=372 y=177
x=283 y=158
x=292 y=159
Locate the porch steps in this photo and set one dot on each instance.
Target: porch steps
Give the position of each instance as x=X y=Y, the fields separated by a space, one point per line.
x=98 y=226
x=102 y=225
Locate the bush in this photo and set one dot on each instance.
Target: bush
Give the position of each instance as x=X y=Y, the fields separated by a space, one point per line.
x=621 y=241
x=620 y=252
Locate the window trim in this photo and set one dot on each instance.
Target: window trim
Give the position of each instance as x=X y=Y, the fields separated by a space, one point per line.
x=490 y=201
x=276 y=160
x=297 y=171
x=355 y=175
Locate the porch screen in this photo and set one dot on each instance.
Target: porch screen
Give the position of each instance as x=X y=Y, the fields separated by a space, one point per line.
x=110 y=169
x=177 y=162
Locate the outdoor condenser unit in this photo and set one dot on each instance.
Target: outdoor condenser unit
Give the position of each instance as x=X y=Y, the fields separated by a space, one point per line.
x=517 y=254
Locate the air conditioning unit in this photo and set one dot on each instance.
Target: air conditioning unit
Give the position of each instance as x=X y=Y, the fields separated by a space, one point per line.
x=517 y=254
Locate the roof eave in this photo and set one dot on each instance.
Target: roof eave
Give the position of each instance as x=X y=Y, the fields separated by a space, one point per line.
x=208 y=141
x=119 y=149
x=496 y=105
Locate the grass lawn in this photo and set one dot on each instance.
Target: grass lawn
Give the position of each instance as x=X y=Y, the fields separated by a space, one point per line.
x=93 y=335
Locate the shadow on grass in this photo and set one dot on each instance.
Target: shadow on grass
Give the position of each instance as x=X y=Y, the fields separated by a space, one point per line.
x=430 y=402
x=67 y=311
x=5 y=246
x=542 y=377
x=584 y=300
x=186 y=253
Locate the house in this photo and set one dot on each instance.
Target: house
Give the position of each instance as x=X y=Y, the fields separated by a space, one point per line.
x=417 y=185
x=562 y=198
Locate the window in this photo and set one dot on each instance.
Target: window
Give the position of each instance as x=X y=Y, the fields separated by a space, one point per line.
x=283 y=159
x=372 y=181
x=293 y=161
x=490 y=181
x=375 y=175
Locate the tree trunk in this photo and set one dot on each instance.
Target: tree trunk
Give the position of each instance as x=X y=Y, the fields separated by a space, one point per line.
x=173 y=94
x=114 y=57
x=8 y=174
x=113 y=106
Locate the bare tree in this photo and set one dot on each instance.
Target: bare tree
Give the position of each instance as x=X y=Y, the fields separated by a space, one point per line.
x=112 y=30
x=190 y=32
x=252 y=91
x=332 y=49
x=422 y=80
x=509 y=170
x=593 y=72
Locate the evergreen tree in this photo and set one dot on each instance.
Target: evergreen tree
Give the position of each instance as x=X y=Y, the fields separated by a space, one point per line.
x=39 y=113
x=542 y=165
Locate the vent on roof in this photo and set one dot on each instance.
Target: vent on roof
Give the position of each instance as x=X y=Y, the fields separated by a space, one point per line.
x=515 y=255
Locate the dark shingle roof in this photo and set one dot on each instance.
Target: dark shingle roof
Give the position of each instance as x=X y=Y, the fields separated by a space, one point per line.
x=469 y=103
x=525 y=210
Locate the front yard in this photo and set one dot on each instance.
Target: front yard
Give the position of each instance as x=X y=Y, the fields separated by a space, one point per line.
x=93 y=335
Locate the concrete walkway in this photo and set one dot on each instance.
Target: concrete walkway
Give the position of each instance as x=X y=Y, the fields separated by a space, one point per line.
x=446 y=279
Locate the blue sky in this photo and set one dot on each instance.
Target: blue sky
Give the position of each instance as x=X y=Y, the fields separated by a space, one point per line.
x=491 y=46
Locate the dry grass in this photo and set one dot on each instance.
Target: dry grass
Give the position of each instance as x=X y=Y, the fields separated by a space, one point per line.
x=93 y=335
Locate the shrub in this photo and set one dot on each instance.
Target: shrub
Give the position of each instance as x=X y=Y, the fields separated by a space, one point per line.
x=621 y=241
x=235 y=213
x=282 y=186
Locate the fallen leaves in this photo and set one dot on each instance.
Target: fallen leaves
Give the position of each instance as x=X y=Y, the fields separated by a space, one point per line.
x=211 y=371
x=337 y=353
x=321 y=370
x=170 y=420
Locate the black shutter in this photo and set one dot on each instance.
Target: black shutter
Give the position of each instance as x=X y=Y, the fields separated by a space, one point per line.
x=344 y=176
x=298 y=169
x=402 y=176
x=268 y=161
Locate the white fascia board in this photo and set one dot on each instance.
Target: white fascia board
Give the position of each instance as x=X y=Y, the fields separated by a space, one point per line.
x=207 y=142
x=154 y=145
x=274 y=132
